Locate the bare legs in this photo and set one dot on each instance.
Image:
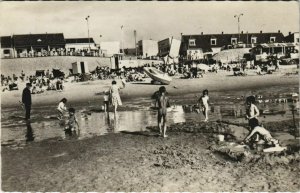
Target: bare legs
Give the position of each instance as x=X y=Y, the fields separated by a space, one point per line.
x=205 y=113
x=162 y=125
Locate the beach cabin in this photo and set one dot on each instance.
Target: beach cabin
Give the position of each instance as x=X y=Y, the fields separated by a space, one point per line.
x=80 y=67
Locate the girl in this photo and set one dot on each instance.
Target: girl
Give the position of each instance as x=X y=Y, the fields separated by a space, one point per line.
x=115 y=96
x=204 y=101
x=62 y=108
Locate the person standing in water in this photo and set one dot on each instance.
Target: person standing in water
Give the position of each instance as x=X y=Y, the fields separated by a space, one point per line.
x=204 y=104
x=115 y=96
x=252 y=113
x=61 y=108
x=162 y=102
x=26 y=100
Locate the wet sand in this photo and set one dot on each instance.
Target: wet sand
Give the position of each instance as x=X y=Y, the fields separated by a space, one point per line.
x=86 y=92
x=141 y=161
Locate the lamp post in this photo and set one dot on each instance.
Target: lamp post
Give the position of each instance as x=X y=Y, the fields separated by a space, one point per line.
x=100 y=45
x=122 y=39
x=87 y=20
x=134 y=32
x=238 y=18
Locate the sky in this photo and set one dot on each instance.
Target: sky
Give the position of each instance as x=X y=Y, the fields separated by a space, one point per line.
x=151 y=20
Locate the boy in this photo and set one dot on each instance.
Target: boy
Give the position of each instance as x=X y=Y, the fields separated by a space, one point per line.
x=264 y=133
x=162 y=102
x=106 y=100
x=252 y=113
x=71 y=122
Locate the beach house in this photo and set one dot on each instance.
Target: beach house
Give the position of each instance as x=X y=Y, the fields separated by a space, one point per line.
x=196 y=46
x=6 y=45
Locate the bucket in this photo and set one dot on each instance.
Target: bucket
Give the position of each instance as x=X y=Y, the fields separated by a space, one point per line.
x=221 y=137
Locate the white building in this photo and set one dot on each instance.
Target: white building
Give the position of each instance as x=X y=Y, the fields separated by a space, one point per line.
x=147 y=48
x=76 y=45
x=110 y=48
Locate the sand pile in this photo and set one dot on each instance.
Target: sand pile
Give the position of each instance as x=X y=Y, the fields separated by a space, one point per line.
x=196 y=127
x=245 y=155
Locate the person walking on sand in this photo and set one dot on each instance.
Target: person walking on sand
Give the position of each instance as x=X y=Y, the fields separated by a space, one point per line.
x=204 y=104
x=61 y=108
x=162 y=102
x=26 y=100
x=115 y=96
x=252 y=113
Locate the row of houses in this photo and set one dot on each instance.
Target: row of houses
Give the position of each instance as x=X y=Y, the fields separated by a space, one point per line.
x=196 y=46
x=189 y=47
x=38 y=45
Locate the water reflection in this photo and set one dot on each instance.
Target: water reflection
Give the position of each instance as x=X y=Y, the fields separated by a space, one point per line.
x=100 y=123
x=29 y=132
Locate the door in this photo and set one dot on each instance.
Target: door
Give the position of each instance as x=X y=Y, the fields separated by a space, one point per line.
x=82 y=67
x=116 y=62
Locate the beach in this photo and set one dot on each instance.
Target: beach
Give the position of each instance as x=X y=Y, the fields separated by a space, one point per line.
x=190 y=159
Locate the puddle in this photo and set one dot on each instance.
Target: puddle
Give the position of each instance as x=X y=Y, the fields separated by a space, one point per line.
x=94 y=122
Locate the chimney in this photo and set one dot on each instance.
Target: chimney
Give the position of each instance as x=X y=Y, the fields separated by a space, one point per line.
x=201 y=33
x=222 y=32
x=290 y=33
x=260 y=31
x=242 y=32
x=279 y=31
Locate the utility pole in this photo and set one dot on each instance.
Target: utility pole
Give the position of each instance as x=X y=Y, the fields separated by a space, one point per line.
x=122 y=48
x=238 y=18
x=87 y=20
x=134 y=32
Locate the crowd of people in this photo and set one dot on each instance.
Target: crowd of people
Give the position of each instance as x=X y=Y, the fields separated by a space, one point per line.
x=39 y=82
x=162 y=102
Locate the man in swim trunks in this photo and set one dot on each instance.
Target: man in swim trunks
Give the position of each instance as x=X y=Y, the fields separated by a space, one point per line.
x=162 y=102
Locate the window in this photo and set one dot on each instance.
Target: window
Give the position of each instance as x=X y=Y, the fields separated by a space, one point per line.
x=297 y=40
x=192 y=42
x=253 y=40
x=213 y=41
x=272 y=39
x=6 y=51
x=233 y=40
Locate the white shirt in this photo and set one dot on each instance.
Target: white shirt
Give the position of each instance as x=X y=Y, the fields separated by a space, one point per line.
x=106 y=97
x=62 y=107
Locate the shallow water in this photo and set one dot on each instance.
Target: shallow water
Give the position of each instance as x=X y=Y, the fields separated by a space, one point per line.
x=94 y=122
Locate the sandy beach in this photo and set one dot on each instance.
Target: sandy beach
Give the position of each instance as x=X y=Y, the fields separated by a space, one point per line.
x=190 y=159
x=92 y=91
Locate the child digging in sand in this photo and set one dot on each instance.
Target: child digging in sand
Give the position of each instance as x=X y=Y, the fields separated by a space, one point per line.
x=162 y=102
x=265 y=134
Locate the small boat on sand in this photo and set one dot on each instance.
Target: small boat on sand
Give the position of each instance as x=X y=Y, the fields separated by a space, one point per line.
x=157 y=75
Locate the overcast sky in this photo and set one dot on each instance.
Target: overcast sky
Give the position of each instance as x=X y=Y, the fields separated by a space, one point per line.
x=155 y=20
